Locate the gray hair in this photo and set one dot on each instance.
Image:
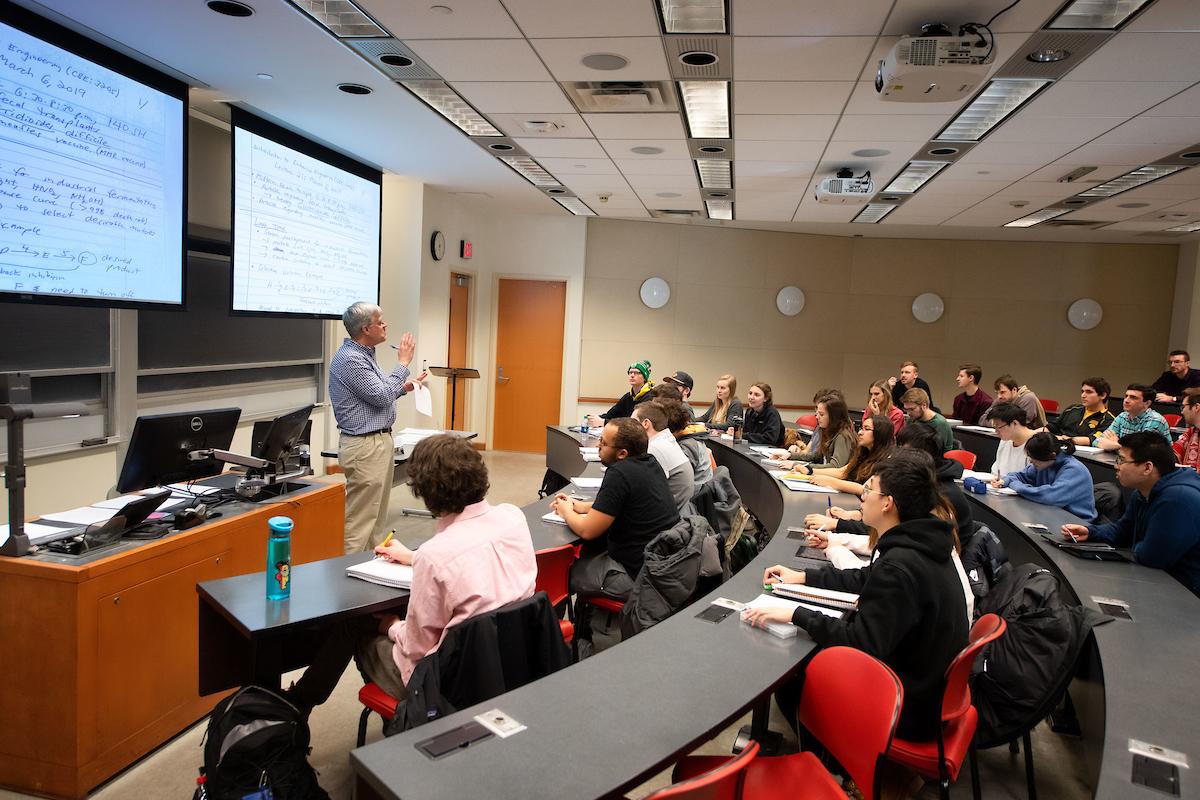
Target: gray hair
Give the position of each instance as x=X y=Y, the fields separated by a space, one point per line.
x=359 y=316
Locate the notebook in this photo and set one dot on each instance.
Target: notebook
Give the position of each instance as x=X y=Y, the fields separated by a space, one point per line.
x=382 y=572
x=786 y=630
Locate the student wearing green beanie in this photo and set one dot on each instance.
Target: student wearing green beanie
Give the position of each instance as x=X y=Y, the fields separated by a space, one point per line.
x=639 y=390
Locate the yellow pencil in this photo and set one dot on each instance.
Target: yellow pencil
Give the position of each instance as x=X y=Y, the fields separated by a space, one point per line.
x=389 y=538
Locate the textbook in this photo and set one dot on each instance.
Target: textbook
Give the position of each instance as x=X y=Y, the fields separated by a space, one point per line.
x=785 y=630
x=843 y=601
x=382 y=572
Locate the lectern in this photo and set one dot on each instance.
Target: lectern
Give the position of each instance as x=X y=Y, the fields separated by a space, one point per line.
x=454 y=373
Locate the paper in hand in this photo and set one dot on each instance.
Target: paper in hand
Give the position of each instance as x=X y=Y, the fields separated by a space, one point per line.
x=424 y=400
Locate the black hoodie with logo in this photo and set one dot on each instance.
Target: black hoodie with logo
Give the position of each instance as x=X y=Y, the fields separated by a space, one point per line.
x=911 y=615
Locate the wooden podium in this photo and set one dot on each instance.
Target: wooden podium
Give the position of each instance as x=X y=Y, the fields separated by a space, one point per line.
x=454 y=373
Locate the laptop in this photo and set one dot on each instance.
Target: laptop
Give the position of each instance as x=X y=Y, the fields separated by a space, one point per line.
x=82 y=539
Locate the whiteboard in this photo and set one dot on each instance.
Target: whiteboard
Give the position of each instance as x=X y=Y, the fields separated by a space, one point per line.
x=91 y=179
x=305 y=233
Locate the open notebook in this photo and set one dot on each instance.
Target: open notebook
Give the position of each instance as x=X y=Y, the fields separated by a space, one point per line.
x=382 y=572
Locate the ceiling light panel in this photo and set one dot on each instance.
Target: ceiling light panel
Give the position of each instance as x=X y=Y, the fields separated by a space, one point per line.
x=715 y=173
x=915 y=175
x=341 y=17
x=444 y=100
x=1130 y=180
x=1097 y=14
x=719 y=209
x=1029 y=220
x=706 y=105
x=1188 y=228
x=531 y=170
x=1000 y=99
x=575 y=206
x=873 y=212
x=693 y=16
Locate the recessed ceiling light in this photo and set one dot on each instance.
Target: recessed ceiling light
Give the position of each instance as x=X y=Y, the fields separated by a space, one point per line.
x=265 y=76
x=991 y=107
x=556 y=191
x=1174 y=215
x=1047 y=56
x=719 y=209
x=1130 y=180
x=711 y=148
x=706 y=106
x=532 y=171
x=354 y=88
x=1029 y=220
x=873 y=212
x=441 y=9
x=501 y=147
x=668 y=194
x=229 y=8
x=604 y=61
x=693 y=16
x=1097 y=14
x=342 y=18
x=871 y=153
x=1132 y=205
x=718 y=194
x=943 y=151
x=915 y=175
x=699 y=58
x=715 y=173
x=646 y=151
x=575 y=206
x=892 y=199
x=1193 y=154
x=1074 y=202
x=444 y=100
x=396 y=60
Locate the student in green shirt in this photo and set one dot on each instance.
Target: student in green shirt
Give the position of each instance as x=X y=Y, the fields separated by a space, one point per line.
x=916 y=406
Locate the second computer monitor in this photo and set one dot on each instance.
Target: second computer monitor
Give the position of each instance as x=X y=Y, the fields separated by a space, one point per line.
x=282 y=435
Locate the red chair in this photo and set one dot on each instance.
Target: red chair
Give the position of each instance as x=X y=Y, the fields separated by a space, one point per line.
x=374 y=699
x=723 y=782
x=851 y=703
x=1173 y=420
x=942 y=758
x=964 y=457
x=808 y=421
x=553 y=566
x=1049 y=405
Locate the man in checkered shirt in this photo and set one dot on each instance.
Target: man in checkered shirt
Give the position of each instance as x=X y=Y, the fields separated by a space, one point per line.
x=364 y=405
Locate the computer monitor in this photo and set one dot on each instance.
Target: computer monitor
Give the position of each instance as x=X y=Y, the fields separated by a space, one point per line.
x=282 y=434
x=160 y=444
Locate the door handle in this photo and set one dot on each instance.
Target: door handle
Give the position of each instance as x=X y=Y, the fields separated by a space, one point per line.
x=500 y=378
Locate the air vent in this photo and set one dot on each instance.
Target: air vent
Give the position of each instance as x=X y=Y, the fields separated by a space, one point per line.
x=1075 y=223
x=1079 y=45
x=711 y=148
x=684 y=49
x=670 y=213
x=617 y=97
x=374 y=50
x=499 y=146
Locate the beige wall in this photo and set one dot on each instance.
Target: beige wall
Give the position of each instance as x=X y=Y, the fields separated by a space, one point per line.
x=1006 y=309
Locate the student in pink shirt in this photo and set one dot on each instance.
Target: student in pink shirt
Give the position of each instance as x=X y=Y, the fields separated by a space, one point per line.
x=481 y=559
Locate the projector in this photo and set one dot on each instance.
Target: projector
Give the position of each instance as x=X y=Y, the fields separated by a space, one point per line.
x=845 y=188
x=934 y=69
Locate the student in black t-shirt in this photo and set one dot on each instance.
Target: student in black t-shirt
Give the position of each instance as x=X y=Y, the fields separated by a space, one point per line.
x=633 y=506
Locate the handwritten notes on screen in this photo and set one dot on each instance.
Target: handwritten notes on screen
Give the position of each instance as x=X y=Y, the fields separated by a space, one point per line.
x=91 y=178
x=306 y=234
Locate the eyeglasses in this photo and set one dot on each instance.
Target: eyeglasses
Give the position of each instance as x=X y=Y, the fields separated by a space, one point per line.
x=1123 y=461
x=867 y=490
x=1177 y=361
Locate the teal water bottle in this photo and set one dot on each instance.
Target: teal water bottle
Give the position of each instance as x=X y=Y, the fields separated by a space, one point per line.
x=279 y=558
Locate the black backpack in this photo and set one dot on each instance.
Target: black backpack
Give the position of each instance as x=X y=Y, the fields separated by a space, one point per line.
x=985 y=561
x=257 y=739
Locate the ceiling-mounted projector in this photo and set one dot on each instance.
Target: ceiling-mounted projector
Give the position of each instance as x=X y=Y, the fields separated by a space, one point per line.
x=935 y=69
x=845 y=188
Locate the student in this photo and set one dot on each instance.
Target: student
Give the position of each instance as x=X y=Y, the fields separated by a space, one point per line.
x=684 y=382
x=1137 y=417
x=661 y=444
x=911 y=609
x=1179 y=377
x=480 y=559
x=1008 y=391
x=879 y=401
x=1054 y=477
x=876 y=440
x=1187 y=449
x=971 y=405
x=909 y=379
x=1162 y=521
x=639 y=391
x=916 y=406
x=762 y=425
x=691 y=436
x=838 y=440
x=814 y=441
x=1082 y=423
x=1008 y=421
x=726 y=407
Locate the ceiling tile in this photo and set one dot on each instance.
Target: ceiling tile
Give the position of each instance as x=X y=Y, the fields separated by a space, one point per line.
x=762 y=213
x=864 y=127
x=784 y=127
x=1134 y=56
x=990 y=152
x=881 y=171
x=790 y=97
x=812 y=211
x=562 y=167
x=1052 y=172
x=1161 y=191
x=1028 y=16
x=623 y=148
x=414 y=19
x=991 y=172
x=1188 y=176
x=1069 y=98
x=549 y=19
x=800 y=58
x=1052 y=191
x=647 y=62
x=1049 y=130
x=636 y=126
x=656 y=166
x=567 y=126
x=672 y=183
x=1110 y=209
x=751 y=183
x=1169 y=15
x=516 y=98
x=622 y=213
x=791 y=170
x=1184 y=104
x=592 y=184
x=778 y=151
x=1190 y=206
x=479 y=59
x=897 y=151
x=865 y=100
x=1173 y=132
x=1099 y=154
x=687 y=201
x=563 y=148
x=809 y=18
x=983 y=188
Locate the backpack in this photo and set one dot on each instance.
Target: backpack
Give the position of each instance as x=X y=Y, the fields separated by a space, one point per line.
x=985 y=561
x=551 y=483
x=257 y=740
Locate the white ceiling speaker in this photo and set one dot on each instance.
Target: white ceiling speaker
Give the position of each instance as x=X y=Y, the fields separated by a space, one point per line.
x=928 y=307
x=1085 y=314
x=789 y=301
x=604 y=61
x=655 y=293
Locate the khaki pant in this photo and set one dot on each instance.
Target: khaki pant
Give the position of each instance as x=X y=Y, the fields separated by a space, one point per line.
x=368 y=462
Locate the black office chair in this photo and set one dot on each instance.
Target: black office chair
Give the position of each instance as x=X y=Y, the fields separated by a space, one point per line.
x=480 y=658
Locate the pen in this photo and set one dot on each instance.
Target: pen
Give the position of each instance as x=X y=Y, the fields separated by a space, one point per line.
x=829 y=505
x=1073 y=539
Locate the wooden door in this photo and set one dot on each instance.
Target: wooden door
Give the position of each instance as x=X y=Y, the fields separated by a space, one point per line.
x=456 y=350
x=529 y=349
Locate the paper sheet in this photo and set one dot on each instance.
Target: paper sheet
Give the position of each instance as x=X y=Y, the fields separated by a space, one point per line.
x=805 y=486
x=424 y=400
x=82 y=516
x=35 y=532
x=587 y=483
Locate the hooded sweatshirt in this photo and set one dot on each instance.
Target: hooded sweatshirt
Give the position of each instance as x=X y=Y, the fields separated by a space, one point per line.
x=1066 y=483
x=911 y=615
x=1164 y=531
x=625 y=404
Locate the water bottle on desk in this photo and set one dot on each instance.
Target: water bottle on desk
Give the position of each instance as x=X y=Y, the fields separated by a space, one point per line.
x=737 y=430
x=279 y=558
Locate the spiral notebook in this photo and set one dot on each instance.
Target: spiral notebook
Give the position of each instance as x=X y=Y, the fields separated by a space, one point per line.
x=382 y=572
